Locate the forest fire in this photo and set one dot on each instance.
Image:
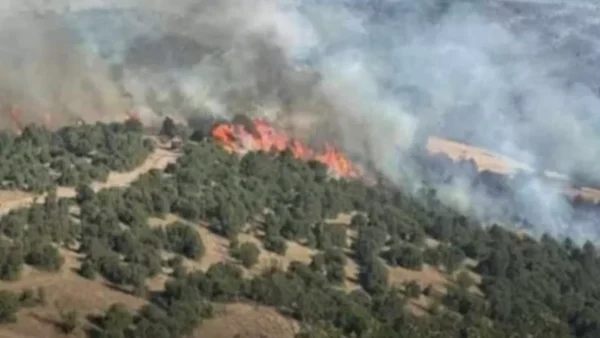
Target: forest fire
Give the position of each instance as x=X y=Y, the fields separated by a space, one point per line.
x=259 y=135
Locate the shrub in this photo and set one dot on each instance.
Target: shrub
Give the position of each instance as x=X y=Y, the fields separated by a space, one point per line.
x=248 y=253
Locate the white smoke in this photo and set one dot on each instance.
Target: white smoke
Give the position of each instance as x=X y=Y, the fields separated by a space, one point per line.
x=375 y=75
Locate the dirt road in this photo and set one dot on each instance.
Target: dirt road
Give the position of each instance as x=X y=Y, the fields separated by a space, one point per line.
x=159 y=159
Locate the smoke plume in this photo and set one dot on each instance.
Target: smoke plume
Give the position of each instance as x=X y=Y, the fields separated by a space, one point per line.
x=47 y=77
x=376 y=76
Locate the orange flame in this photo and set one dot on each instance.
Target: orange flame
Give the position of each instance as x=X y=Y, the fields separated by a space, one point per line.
x=236 y=138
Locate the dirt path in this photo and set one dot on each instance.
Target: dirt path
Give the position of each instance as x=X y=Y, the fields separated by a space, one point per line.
x=159 y=159
x=66 y=286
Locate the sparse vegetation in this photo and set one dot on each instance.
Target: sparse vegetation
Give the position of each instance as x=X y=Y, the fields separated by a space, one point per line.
x=69 y=320
x=531 y=288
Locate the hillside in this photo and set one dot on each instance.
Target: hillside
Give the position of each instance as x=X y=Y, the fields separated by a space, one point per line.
x=499 y=164
x=200 y=242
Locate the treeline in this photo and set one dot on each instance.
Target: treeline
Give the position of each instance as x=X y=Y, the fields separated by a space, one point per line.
x=530 y=288
x=38 y=159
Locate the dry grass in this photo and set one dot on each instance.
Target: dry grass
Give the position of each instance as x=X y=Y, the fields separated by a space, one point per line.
x=342 y=218
x=484 y=159
x=159 y=159
x=232 y=319
x=242 y=320
x=429 y=276
x=67 y=288
x=500 y=164
x=217 y=249
x=425 y=277
x=14 y=199
x=295 y=252
x=589 y=194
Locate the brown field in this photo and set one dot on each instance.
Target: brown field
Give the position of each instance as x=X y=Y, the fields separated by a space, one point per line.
x=72 y=291
x=66 y=290
x=484 y=159
x=500 y=164
x=217 y=251
x=247 y=321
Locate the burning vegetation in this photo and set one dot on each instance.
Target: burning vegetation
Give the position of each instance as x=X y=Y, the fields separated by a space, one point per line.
x=244 y=134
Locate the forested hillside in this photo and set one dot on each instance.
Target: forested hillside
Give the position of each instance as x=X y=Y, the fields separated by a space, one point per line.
x=498 y=283
x=38 y=159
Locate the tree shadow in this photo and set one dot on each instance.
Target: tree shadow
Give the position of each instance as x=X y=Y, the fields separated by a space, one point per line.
x=156 y=298
x=76 y=271
x=118 y=288
x=352 y=279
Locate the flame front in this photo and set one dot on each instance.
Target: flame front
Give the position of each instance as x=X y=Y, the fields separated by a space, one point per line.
x=236 y=138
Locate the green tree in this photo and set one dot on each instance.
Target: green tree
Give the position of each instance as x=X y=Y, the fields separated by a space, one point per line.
x=373 y=277
x=69 y=320
x=248 y=253
x=464 y=280
x=11 y=261
x=45 y=257
x=84 y=193
x=335 y=261
x=182 y=239
x=369 y=243
x=358 y=221
x=148 y=329
x=275 y=244
x=412 y=289
x=117 y=318
x=87 y=270
x=9 y=305
x=405 y=255
x=169 y=129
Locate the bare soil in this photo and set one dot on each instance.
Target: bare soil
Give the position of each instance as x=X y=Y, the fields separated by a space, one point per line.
x=64 y=290
x=159 y=159
x=66 y=287
x=240 y=320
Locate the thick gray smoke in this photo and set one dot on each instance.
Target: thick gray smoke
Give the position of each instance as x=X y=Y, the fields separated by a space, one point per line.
x=47 y=77
x=376 y=76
